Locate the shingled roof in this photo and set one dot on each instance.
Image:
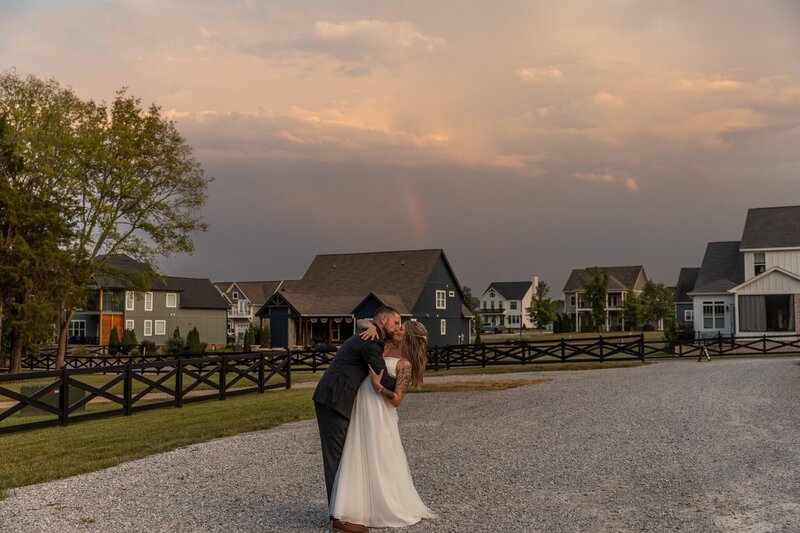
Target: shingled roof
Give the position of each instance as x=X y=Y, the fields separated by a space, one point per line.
x=196 y=293
x=620 y=278
x=771 y=227
x=257 y=292
x=686 y=281
x=338 y=283
x=510 y=290
x=722 y=268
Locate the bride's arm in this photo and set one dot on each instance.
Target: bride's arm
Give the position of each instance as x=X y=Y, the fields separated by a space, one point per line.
x=403 y=379
x=370 y=332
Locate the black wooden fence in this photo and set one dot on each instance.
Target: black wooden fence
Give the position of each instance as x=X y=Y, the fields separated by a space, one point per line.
x=134 y=387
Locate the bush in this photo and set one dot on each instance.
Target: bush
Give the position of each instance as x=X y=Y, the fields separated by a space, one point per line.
x=129 y=341
x=264 y=337
x=148 y=347
x=114 y=346
x=176 y=344
x=250 y=338
x=193 y=341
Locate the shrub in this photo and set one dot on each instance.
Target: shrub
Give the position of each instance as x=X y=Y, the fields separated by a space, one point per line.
x=113 y=342
x=265 y=341
x=176 y=344
x=193 y=341
x=148 y=347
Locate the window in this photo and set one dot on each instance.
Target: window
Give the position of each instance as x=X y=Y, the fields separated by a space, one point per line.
x=336 y=331
x=244 y=307
x=148 y=328
x=688 y=315
x=713 y=315
x=491 y=294
x=235 y=295
x=759 y=262
x=443 y=326
x=77 y=329
x=161 y=327
x=129 y=324
x=441 y=301
x=148 y=301
x=572 y=300
x=451 y=294
x=512 y=305
x=130 y=301
x=172 y=299
x=613 y=300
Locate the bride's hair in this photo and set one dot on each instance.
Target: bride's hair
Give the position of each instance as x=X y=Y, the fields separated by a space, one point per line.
x=415 y=348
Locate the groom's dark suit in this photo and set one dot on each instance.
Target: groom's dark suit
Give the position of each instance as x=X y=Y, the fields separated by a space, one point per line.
x=336 y=392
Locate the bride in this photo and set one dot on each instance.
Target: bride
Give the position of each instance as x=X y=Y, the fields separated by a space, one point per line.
x=373 y=485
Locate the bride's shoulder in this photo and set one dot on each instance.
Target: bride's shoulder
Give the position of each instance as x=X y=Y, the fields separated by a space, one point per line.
x=403 y=363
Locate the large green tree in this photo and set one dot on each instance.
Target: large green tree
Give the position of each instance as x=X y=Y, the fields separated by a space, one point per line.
x=657 y=303
x=632 y=311
x=542 y=310
x=126 y=179
x=596 y=287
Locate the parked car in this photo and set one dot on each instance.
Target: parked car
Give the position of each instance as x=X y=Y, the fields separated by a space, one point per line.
x=493 y=328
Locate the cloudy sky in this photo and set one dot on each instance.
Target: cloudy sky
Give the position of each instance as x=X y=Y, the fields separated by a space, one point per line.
x=522 y=137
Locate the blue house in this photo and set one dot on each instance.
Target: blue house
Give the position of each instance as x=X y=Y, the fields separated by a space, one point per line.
x=339 y=289
x=684 y=308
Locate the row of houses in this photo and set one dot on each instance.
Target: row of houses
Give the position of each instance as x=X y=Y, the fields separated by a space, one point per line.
x=749 y=286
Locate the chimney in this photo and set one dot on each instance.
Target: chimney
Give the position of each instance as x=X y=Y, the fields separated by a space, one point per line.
x=535 y=282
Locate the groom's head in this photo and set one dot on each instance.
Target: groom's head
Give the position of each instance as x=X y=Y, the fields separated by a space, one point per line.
x=387 y=320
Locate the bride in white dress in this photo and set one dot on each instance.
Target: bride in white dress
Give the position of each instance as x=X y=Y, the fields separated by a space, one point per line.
x=373 y=485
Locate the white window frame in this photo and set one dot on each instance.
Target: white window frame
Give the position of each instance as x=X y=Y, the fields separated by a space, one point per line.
x=74 y=328
x=148 y=301
x=688 y=315
x=174 y=297
x=451 y=294
x=512 y=305
x=715 y=312
x=443 y=326
x=130 y=301
x=129 y=324
x=160 y=327
x=759 y=263
x=148 y=328
x=441 y=299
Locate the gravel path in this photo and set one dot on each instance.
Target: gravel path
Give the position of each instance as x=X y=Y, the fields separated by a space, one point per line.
x=678 y=445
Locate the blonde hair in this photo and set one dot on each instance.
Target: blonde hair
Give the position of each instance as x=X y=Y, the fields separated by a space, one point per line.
x=415 y=349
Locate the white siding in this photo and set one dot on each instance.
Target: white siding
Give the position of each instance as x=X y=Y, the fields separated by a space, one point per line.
x=788 y=260
x=730 y=309
x=773 y=283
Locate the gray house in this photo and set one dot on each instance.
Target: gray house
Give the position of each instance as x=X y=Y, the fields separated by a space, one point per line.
x=714 y=306
x=339 y=289
x=244 y=298
x=684 y=309
x=154 y=314
x=622 y=280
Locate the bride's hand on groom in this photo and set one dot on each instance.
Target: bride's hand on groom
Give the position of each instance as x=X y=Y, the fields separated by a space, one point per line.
x=376 y=378
x=370 y=334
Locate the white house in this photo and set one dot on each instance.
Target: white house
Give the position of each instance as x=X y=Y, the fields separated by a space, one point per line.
x=713 y=304
x=244 y=299
x=768 y=299
x=506 y=303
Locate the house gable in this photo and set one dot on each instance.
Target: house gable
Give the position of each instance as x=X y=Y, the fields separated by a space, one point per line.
x=773 y=281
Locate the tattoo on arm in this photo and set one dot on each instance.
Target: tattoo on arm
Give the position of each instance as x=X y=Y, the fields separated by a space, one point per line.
x=387 y=393
x=403 y=378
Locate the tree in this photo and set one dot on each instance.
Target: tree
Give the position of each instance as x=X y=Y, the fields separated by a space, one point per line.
x=114 y=344
x=264 y=337
x=471 y=304
x=249 y=338
x=632 y=311
x=596 y=288
x=193 y=341
x=657 y=303
x=125 y=178
x=176 y=344
x=542 y=310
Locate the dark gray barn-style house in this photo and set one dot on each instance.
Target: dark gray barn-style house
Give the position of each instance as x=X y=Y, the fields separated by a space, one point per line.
x=339 y=289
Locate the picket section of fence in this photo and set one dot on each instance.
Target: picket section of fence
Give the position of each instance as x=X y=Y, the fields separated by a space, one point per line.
x=158 y=384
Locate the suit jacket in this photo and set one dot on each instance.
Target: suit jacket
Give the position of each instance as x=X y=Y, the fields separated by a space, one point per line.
x=339 y=385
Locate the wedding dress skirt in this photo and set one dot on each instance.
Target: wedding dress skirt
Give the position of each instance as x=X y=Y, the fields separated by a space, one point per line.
x=373 y=485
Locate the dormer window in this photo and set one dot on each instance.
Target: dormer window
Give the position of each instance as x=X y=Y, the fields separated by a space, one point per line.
x=491 y=294
x=235 y=295
x=759 y=262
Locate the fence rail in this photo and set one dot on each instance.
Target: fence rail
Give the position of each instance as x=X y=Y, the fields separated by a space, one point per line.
x=125 y=388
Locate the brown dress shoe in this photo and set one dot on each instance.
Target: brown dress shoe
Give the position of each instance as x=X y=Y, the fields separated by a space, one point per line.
x=347 y=527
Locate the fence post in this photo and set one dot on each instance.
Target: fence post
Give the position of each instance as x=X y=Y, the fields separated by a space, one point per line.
x=289 y=370
x=127 y=390
x=179 y=384
x=223 y=369
x=563 y=350
x=601 y=349
x=719 y=341
x=641 y=346
x=63 y=398
x=764 y=344
x=261 y=372
x=483 y=357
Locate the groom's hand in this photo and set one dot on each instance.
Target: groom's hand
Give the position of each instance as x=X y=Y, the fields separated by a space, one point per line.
x=376 y=378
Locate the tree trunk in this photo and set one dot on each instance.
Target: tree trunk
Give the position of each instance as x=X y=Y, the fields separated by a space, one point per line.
x=63 y=333
x=15 y=364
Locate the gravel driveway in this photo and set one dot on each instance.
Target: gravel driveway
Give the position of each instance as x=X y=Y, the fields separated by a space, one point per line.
x=687 y=446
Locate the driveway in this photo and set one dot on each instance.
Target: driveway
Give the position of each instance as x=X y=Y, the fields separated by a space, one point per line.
x=679 y=445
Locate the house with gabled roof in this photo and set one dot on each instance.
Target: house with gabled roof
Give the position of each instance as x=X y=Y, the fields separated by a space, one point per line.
x=622 y=280
x=339 y=289
x=168 y=302
x=244 y=299
x=768 y=298
x=684 y=308
x=506 y=303
x=713 y=304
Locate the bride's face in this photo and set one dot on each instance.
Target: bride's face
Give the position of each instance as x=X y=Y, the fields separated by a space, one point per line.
x=399 y=334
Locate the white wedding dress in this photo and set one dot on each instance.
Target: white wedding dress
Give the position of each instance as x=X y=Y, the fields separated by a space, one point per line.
x=373 y=485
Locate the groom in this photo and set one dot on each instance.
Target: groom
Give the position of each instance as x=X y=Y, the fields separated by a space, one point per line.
x=336 y=393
